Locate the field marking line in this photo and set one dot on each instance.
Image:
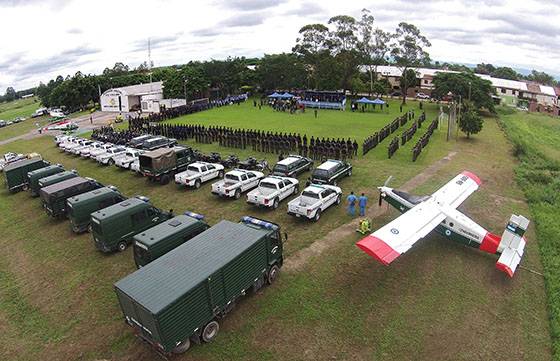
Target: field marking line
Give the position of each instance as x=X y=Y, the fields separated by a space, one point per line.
x=300 y=258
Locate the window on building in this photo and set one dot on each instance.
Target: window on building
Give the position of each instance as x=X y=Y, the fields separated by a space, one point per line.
x=426 y=81
x=503 y=90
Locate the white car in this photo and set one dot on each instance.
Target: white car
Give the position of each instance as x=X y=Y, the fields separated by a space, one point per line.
x=94 y=153
x=86 y=143
x=129 y=157
x=84 y=152
x=60 y=138
x=236 y=182
x=108 y=158
x=67 y=142
x=422 y=96
x=314 y=200
x=135 y=166
x=198 y=173
x=272 y=190
x=77 y=142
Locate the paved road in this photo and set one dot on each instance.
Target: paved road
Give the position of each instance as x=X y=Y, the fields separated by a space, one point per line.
x=99 y=119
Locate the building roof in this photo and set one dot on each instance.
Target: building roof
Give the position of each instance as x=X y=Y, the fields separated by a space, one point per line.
x=548 y=90
x=165 y=280
x=140 y=89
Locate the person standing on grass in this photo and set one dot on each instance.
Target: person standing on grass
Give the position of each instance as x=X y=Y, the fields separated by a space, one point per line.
x=351 y=204
x=315 y=112
x=362 y=202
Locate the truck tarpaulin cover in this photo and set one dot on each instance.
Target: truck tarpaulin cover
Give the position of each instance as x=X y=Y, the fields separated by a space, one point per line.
x=162 y=158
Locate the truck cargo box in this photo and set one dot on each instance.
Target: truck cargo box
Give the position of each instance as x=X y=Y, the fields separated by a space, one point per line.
x=16 y=172
x=35 y=175
x=54 y=196
x=81 y=207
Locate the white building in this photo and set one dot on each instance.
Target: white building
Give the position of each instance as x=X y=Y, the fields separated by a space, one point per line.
x=131 y=98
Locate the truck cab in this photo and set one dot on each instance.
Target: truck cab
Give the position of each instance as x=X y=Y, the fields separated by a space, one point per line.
x=81 y=207
x=114 y=227
x=34 y=177
x=158 y=240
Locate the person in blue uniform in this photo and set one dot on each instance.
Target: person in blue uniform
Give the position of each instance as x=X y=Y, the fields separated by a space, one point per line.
x=351 y=204
x=362 y=202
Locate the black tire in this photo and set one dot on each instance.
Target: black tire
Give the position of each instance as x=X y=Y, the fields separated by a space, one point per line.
x=317 y=216
x=349 y=172
x=334 y=183
x=182 y=347
x=275 y=203
x=164 y=179
x=338 y=199
x=90 y=228
x=237 y=193
x=210 y=331
x=25 y=187
x=111 y=162
x=197 y=184
x=221 y=174
x=296 y=190
x=272 y=274
x=121 y=247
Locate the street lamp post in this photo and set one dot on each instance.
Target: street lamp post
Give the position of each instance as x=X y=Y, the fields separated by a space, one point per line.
x=185 y=86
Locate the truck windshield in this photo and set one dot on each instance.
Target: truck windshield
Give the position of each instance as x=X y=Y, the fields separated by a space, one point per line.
x=232 y=177
x=320 y=173
x=192 y=169
x=280 y=168
x=310 y=195
x=141 y=255
x=97 y=229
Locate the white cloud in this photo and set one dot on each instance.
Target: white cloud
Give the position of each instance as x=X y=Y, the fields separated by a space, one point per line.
x=52 y=37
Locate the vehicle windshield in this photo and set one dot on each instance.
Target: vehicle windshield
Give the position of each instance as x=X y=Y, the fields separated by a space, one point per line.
x=141 y=255
x=280 y=167
x=268 y=185
x=191 y=168
x=320 y=173
x=97 y=229
x=232 y=177
x=310 y=194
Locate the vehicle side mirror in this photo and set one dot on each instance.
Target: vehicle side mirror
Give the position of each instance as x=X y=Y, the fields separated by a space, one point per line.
x=285 y=237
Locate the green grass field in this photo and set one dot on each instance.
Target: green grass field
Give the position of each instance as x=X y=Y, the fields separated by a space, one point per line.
x=19 y=108
x=439 y=301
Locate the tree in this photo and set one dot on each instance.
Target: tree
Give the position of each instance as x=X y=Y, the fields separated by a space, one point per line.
x=373 y=45
x=542 y=78
x=468 y=86
x=470 y=122
x=407 y=49
x=343 y=42
x=483 y=68
x=10 y=94
x=380 y=87
x=409 y=79
x=505 y=72
x=312 y=46
x=281 y=71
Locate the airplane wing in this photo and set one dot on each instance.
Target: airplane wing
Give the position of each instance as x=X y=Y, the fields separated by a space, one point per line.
x=398 y=236
x=457 y=190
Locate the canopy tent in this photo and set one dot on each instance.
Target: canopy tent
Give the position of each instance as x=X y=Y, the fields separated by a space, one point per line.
x=377 y=101
x=286 y=95
x=364 y=100
x=275 y=95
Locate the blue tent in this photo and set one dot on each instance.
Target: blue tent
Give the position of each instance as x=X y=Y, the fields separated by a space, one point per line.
x=364 y=100
x=275 y=95
x=286 y=95
x=377 y=101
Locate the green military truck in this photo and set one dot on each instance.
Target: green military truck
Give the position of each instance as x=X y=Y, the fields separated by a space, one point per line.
x=16 y=173
x=158 y=240
x=34 y=176
x=160 y=165
x=114 y=227
x=54 y=196
x=81 y=207
x=56 y=178
x=179 y=297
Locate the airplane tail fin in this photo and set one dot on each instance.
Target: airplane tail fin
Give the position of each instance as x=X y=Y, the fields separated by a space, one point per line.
x=512 y=244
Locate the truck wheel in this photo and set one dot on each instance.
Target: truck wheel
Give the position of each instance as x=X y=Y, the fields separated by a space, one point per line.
x=273 y=274
x=90 y=228
x=221 y=174
x=197 y=184
x=121 y=246
x=25 y=187
x=296 y=190
x=275 y=203
x=349 y=172
x=317 y=215
x=164 y=179
x=338 y=199
x=238 y=194
x=210 y=331
x=182 y=347
x=111 y=162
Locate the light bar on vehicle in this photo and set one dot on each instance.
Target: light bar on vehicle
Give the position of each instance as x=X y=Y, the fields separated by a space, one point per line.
x=143 y=198
x=194 y=215
x=258 y=222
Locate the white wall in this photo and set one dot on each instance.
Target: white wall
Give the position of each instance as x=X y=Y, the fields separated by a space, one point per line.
x=110 y=101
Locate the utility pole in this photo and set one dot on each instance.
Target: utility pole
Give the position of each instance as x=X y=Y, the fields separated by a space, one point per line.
x=185 y=86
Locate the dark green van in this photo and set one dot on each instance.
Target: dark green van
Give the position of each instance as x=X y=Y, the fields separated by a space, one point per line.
x=55 y=178
x=114 y=227
x=81 y=207
x=16 y=173
x=35 y=175
x=158 y=240
x=54 y=196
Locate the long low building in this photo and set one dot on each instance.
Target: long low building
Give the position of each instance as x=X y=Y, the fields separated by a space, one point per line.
x=132 y=98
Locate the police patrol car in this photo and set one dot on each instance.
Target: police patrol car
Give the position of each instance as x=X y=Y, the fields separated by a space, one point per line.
x=236 y=182
x=198 y=173
x=272 y=190
x=314 y=200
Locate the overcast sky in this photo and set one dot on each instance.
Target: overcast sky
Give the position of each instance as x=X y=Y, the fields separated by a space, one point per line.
x=43 y=38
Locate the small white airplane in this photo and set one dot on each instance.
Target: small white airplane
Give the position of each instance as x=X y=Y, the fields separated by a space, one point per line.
x=422 y=214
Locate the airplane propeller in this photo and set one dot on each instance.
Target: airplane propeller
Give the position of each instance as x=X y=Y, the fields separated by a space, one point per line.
x=384 y=185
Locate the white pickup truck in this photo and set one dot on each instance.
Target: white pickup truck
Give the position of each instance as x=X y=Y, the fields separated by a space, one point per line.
x=83 y=145
x=94 y=153
x=236 y=182
x=129 y=157
x=84 y=152
x=272 y=190
x=108 y=158
x=314 y=200
x=198 y=173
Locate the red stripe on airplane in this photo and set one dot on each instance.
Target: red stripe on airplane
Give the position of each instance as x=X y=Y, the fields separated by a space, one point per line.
x=490 y=243
x=472 y=176
x=378 y=249
x=504 y=268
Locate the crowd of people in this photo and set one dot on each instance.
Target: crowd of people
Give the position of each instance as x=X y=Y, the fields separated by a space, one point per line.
x=373 y=140
x=424 y=139
x=108 y=134
x=316 y=96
